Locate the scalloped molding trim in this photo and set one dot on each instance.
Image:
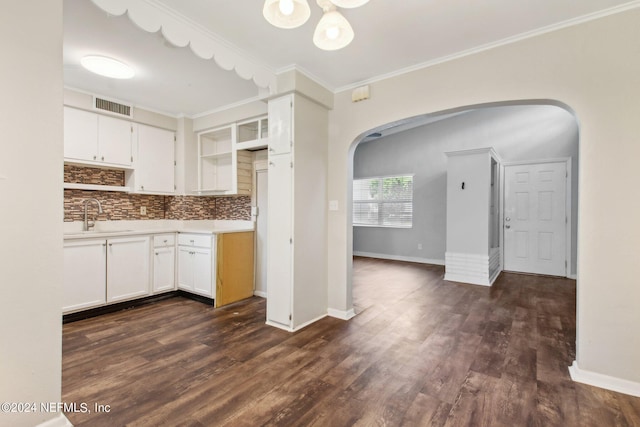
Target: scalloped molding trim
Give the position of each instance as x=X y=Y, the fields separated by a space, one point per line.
x=180 y=31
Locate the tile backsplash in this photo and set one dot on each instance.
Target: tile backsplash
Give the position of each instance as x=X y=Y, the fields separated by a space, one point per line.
x=125 y=206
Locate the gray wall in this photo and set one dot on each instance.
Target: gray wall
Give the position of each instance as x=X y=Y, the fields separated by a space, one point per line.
x=515 y=132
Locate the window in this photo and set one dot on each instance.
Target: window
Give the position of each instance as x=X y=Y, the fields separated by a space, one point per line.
x=383 y=202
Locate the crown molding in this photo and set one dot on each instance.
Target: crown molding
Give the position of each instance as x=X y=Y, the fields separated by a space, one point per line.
x=506 y=41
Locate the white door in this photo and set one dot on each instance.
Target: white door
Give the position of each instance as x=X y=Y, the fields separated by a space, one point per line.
x=185 y=268
x=535 y=218
x=261 y=232
x=84 y=274
x=114 y=140
x=164 y=271
x=80 y=134
x=279 y=269
x=155 y=160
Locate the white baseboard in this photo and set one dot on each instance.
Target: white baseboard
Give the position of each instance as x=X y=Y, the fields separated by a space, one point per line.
x=572 y=276
x=260 y=294
x=305 y=324
x=341 y=314
x=59 y=421
x=297 y=328
x=400 y=258
x=595 y=379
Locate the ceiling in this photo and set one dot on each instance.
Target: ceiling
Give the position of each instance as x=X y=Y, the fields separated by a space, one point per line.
x=391 y=36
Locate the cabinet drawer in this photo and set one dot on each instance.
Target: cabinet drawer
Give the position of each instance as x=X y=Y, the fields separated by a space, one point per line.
x=200 y=240
x=161 y=240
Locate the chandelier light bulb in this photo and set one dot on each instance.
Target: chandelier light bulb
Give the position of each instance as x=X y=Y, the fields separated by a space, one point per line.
x=286 y=7
x=286 y=13
x=333 y=33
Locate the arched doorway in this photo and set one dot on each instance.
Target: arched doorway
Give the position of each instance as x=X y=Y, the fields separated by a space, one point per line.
x=518 y=130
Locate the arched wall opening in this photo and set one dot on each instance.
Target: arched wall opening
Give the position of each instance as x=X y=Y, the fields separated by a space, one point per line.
x=518 y=130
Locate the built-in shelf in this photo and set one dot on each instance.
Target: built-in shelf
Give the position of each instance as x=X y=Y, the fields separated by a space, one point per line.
x=216 y=155
x=76 y=186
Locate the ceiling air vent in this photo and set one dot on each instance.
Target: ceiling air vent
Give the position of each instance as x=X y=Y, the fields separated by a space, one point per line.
x=112 y=107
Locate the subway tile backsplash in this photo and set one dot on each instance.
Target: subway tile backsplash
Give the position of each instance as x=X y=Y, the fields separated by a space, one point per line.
x=125 y=206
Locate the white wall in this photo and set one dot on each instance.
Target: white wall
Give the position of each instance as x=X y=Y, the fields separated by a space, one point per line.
x=31 y=206
x=594 y=68
x=516 y=133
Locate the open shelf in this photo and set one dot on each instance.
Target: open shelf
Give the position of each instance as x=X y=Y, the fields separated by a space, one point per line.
x=95 y=187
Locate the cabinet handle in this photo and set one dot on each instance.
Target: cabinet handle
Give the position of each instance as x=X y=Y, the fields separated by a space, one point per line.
x=271 y=150
x=192 y=241
x=104 y=245
x=95 y=157
x=157 y=253
x=110 y=244
x=142 y=187
x=103 y=158
x=165 y=240
x=271 y=164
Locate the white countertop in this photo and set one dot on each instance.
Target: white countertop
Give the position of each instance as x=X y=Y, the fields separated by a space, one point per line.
x=103 y=229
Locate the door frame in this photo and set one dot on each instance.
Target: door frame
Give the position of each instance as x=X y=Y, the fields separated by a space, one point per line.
x=261 y=165
x=568 y=210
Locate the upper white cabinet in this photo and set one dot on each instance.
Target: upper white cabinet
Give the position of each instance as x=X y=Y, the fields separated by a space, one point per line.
x=223 y=169
x=154 y=161
x=96 y=139
x=280 y=125
x=253 y=134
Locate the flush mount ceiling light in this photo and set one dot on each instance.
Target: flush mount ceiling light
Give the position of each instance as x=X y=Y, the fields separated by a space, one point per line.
x=286 y=13
x=107 y=67
x=333 y=31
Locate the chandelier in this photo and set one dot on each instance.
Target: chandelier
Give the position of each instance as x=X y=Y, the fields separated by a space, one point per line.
x=333 y=31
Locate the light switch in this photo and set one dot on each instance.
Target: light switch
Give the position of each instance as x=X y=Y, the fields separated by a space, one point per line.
x=333 y=205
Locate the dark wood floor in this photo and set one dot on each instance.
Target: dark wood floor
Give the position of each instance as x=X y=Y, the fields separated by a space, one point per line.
x=420 y=352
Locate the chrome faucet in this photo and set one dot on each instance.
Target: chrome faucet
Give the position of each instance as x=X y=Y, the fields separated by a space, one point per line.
x=88 y=224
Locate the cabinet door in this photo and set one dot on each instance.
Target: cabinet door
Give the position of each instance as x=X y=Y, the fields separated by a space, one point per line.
x=185 y=268
x=155 y=160
x=280 y=125
x=164 y=261
x=80 y=135
x=202 y=275
x=127 y=268
x=279 y=235
x=114 y=141
x=84 y=274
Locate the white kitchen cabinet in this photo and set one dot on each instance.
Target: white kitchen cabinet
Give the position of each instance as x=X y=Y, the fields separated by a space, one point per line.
x=127 y=268
x=164 y=263
x=196 y=264
x=96 y=139
x=279 y=240
x=154 y=161
x=297 y=221
x=84 y=274
x=281 y=125
x=253 y=134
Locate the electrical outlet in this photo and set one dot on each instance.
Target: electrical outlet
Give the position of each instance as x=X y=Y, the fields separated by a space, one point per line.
x=143 y=210
x=419 y=246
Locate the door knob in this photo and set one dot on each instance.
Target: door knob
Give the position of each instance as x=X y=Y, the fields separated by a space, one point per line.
x=507 y=219
x=507 y=226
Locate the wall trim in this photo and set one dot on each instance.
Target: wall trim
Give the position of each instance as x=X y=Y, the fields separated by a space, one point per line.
x=260 y=294
x=595 y=379
x=341 y=314
x=297 y=328
x=59 y=421
x=399 y=258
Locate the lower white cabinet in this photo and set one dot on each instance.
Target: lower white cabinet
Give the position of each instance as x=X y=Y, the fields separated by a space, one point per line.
x=85 y=281
x=127 y=268
x=102 y=271
x=195 y=263
x=164 y=263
